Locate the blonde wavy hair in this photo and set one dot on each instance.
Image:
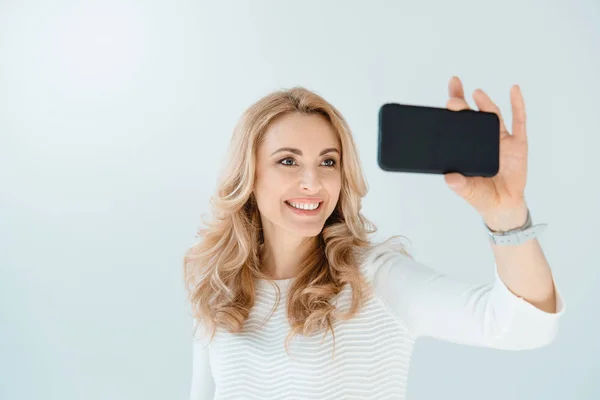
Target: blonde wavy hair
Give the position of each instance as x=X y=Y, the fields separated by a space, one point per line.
x=221 y=268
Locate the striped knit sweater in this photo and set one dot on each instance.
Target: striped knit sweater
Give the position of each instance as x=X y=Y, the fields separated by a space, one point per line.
x=372 y=350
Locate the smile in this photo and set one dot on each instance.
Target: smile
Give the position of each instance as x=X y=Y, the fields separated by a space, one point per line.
x=305 y=206
x=306 y=209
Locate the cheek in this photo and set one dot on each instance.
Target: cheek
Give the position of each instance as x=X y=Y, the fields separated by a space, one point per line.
x=334 y=185
x=269 y=188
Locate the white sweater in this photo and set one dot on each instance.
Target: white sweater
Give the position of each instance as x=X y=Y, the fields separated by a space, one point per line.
x=372 y=350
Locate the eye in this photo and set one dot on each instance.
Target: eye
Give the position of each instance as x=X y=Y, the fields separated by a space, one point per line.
x=282 y=161
x=332 y=164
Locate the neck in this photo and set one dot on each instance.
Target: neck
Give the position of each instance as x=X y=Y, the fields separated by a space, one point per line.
x=281 y=257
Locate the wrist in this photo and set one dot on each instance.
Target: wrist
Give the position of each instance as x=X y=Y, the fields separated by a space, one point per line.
x=505 y=219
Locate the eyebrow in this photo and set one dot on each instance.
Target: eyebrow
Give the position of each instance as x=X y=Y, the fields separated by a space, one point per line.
x=299 y=152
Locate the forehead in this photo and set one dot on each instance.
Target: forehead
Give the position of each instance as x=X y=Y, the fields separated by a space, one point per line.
x=301 y=131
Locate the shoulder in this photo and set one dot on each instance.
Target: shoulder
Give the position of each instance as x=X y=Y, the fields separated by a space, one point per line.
x=201 y=332
x=384 y=255
x=387 y=267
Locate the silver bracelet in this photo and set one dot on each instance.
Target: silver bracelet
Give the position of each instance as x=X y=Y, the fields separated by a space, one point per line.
x=518 y=235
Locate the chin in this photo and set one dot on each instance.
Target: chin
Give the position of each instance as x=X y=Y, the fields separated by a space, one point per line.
x=305 y=231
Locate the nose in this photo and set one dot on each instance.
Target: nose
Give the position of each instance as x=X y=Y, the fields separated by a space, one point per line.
x=310 y=181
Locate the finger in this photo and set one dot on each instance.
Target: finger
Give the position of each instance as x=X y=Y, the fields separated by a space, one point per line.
x=456 y=104
x=457 y=101
x=455 y=88
x=519 y=115
x=485 y=103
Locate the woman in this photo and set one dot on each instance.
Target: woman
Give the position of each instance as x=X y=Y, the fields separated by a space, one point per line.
x=288 y=227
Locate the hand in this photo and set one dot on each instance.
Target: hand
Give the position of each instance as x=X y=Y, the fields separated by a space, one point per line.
x=504 y=193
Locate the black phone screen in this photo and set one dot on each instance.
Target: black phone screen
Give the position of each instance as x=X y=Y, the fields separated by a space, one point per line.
x=432 y=140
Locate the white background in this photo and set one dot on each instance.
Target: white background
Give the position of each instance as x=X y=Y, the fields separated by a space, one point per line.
x=114 y=122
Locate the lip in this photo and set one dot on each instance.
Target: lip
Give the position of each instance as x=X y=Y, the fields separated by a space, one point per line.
x=305 y=200
x=304 y=212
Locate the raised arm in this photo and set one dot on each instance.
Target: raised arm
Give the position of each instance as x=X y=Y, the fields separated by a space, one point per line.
x=435 y=305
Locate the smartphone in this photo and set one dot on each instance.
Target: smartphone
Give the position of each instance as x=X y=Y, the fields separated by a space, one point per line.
x=433 y=140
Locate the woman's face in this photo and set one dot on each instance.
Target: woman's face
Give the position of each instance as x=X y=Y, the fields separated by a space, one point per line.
x=298 y=166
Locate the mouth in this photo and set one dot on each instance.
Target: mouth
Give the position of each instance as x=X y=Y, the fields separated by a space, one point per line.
x=304 y=208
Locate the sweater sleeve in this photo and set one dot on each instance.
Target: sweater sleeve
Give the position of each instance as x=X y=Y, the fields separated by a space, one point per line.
x=203 y=386
x=435 y=305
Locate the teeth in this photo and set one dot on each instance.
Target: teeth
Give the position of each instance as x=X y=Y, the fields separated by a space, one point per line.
x=304 y=206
